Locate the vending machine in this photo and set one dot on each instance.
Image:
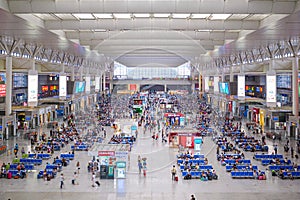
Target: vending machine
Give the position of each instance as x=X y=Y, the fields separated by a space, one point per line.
x=121 y=169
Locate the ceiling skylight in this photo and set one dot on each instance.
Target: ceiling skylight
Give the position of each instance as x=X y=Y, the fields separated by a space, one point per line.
x=104 y=16
x=141 y=15
x=180 y=15
x=219 y=16
x=161 y=15
x=84 y=16
x=122 y=15
x=199 y=16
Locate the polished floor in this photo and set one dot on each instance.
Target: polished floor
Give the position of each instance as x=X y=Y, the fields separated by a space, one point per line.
x=157 y=185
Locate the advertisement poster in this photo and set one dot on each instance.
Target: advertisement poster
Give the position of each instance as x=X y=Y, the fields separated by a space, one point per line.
x=32 y=88
x=2 y=84
x=271 y=89
x=87 y=84
x=97 y=84
x=206 y=86
x=241 y=86
x=216 y=84
x=62 y=86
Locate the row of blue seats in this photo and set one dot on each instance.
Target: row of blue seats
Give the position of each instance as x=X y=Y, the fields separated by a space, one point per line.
x=242 y=174
x=48 y=172
x=39 y=155
x=67 y=156
x=267 y=156
x=31 y=161
x=291 y=174
x=283 y=167
x=27 y=166
x=54 y=166
x=194 y=161
x=268 y=162
x=241 y=161
x=15 y=172
x=194 y=174
x=201 y=167
x=59 y=161
x=257 y=148
x=231 y=155
x=241 y=168
x=196 y=156
x=80 y=147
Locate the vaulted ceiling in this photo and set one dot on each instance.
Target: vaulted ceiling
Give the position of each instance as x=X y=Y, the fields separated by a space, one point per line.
x=151 y=32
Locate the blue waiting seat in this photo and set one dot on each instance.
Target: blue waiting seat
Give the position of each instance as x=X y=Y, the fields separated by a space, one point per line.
x=67 y=156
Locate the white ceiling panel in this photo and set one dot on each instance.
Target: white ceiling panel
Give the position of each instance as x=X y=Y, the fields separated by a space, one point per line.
x=65 y=16
x=139 y=6
x=20 y=6
x=212 y=6
x=43 y=6
x=284 y=7
x=111 y=6
x=88 y=24
x=124 y=24
x=93 y=6
x=187 y=5
x=260 y=7
x=161 y=6
x=67 y=6
x=178 y=24
x=236 y=6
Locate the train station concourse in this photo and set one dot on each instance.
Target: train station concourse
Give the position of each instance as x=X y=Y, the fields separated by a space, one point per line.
x=149 y=99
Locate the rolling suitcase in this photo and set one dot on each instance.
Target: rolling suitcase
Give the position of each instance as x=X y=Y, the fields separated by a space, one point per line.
x=176 y=178
x=9 y=175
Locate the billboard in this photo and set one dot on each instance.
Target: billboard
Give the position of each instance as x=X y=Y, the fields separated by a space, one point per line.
x=2 y=84
x=206 y=86
x=63 y=86
x=32 y=88
x=97 y=84
x=87 y=84
x=271 y=89
x=216 y=84
x=241 y=86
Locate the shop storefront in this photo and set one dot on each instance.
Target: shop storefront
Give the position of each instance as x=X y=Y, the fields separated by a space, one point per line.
x=174 y=119
x=183 y=138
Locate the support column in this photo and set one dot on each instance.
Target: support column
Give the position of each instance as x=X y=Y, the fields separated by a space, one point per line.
x=8 y=64
x=101 y=83
x=231 y=77
x=271 y=85
x=104 y=82
x=73 y=74
x=8 y=83
x=110 y=82
x=165 y=88
x=295 y=87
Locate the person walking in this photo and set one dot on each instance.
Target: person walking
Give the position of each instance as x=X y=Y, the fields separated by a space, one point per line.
x=93 y=179
x=193 y=197
x=144 y=166
x=78 y=166
x=74 y=180
x=173 y=172
x=62 y=179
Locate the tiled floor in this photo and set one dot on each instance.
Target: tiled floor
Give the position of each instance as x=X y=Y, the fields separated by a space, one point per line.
x=156 y=185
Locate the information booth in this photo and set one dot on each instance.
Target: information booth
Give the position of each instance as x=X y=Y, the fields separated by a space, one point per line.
x=112 y=158
x=183 y=138
x=174 y=119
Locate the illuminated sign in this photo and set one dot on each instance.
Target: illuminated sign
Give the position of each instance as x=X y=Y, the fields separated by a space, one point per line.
x=241 y=86
x=271 y=89
x=97 y=86
x=87 y=84
x=216 y=84
x=32 y=88
x=206 y=86
x=2 y=84
x=62 y=86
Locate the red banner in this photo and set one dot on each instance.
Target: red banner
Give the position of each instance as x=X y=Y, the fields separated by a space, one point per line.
x=2 y=90
x=106 y=153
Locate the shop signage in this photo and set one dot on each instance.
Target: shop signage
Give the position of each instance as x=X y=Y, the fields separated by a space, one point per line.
x=63 y=86
x=106 y=153
x=32 y=88
x=271 y=89
x=241 y=86
x=121 y=154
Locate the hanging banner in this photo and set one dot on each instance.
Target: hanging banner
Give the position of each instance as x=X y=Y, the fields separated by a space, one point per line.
x=97 y=84
x=216 y=84
x=62 y=86
x=206 y=86
x=32 y=87
x=241 y=86
x=87 y=84
x=271 y=89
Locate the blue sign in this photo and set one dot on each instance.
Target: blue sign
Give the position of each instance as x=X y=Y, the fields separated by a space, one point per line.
x=134 y=128
x=27 y=118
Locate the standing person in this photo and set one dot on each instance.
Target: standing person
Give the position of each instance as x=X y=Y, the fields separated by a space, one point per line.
x=140 y=165
x=74 y=182
x=193 y=197
x=62 y=179
x=292 y=152
x=16 y=149
x=275 y=149
x=144 y=165
x=173 y=172
x=78 y=166
x=93 y=179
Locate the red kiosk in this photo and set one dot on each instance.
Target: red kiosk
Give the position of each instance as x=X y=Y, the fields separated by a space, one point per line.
x=183 y=138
